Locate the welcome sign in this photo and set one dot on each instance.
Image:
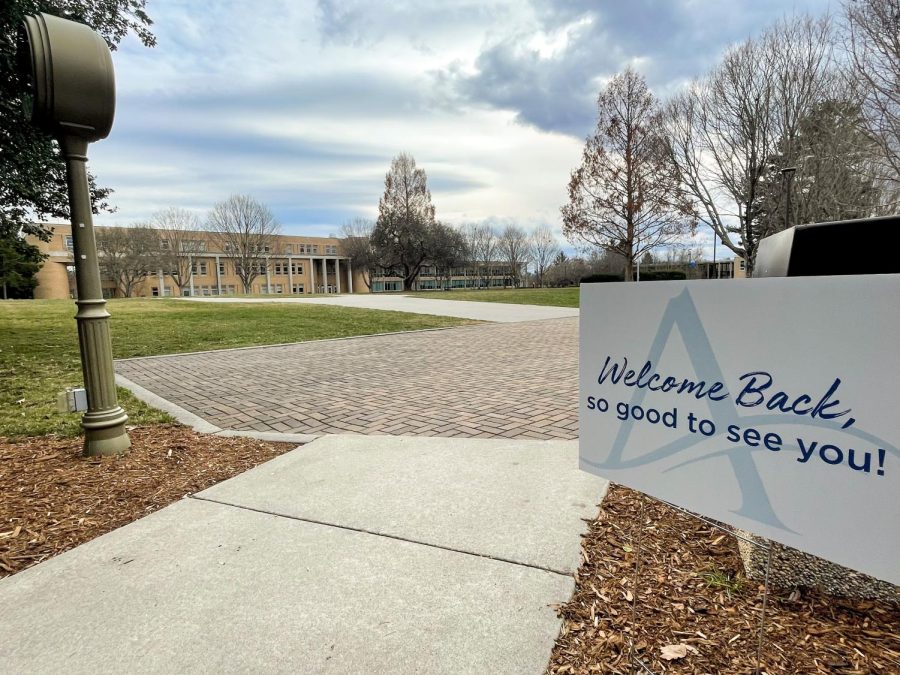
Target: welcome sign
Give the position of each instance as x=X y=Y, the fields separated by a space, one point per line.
x=769 y=404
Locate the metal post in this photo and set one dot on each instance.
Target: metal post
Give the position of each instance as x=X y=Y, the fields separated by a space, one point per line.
x=788 y=174
x=104 y=421
x=715 y=263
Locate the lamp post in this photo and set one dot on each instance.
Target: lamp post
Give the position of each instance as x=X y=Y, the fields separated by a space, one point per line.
x=788 y=178
x=68 y=70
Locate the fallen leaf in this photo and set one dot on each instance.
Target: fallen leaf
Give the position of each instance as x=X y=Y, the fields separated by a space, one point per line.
x=672 y=652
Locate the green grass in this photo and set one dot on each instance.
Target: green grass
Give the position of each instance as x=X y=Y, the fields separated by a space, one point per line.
x=731 y=584
x=39 y=346
x=557 y=297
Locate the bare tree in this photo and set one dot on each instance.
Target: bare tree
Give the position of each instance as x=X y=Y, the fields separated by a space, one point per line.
x=544 y=249
x=484 y=251
x=625 y=196
x=514 y=249
x=873 y=42
x=726 y=129
x=449 y=250
x=128 y=255
x=357 y=245
x=180 y=242
x=245 y=229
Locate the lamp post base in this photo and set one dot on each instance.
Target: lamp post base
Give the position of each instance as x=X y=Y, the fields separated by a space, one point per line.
x=104 y=433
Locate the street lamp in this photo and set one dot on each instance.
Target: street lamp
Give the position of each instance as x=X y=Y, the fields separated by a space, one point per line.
x=788 y=176
x=68 y=71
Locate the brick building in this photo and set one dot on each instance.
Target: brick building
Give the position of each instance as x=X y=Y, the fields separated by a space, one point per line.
x=296 y=265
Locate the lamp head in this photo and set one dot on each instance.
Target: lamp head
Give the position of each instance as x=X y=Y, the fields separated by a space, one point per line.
x=68 y=72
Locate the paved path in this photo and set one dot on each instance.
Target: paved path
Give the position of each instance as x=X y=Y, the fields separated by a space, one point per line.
x=348 y=555
x=489 y=381
x=484 y=311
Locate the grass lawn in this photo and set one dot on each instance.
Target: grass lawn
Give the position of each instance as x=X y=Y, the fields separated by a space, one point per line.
x=39 y=347
x=557 y=297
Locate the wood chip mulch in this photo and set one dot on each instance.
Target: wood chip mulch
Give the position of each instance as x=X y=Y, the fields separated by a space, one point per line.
x=695 y=612
x=52 y=498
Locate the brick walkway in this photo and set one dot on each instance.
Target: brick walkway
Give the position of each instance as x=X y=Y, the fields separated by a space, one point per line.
x=515 y=380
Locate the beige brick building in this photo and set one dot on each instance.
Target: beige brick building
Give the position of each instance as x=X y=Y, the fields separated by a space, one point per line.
x=295 y=265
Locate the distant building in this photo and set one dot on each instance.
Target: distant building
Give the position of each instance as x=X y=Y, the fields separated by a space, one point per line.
x=295 y=266
x=470 y=275
x=701 y=269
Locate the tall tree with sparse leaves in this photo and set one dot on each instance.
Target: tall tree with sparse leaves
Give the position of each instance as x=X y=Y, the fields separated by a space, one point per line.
x=626 y=197
x=404 y=232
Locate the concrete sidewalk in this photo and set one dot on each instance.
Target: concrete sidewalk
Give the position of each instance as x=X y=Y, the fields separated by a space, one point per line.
x=483 y=311
x=348 y=555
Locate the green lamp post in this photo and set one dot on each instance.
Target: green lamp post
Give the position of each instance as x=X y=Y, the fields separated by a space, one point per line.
x=68 y=70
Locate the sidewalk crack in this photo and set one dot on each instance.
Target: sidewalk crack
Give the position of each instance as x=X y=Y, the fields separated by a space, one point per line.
x=384 y=535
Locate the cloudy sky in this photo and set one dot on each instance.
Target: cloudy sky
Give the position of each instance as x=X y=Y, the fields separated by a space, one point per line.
x=303 y=104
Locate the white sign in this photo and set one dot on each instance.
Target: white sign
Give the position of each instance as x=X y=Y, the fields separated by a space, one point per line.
x=769 y=404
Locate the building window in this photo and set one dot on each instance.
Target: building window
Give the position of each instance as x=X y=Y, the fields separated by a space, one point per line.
x=193 y=245
x=296 y=268
x=154 y=291
x=200 y=269
x=288 y=248
x=164 y=244
x=297 y=288
x=330 y=250
x=69 y=244
x=743 y=265
x=315 y=248
x=222 y=267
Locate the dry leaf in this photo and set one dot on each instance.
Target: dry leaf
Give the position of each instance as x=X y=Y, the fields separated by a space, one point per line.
x=672 y=652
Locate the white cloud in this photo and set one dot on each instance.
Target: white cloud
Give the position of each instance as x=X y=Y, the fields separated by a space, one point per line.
x=303 y=104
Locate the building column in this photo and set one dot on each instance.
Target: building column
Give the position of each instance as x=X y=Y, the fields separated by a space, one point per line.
x=218 y=278
x=337 y=274
x=324 y=275
x=350 y=275
x=162 y=284
x=191 y=278
x=268 y=279
x=290 y=264
x=312 y=276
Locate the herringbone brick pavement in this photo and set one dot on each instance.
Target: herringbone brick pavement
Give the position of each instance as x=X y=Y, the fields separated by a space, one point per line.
x=517 y=380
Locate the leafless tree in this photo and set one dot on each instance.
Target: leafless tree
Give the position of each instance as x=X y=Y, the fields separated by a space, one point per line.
x=449 y=250
x=483 y=247
x=514 y=248
x=180 y=241
x=873 y=43
x=245 y=229
x=128 y=255
x=357 y=245
x=731 y=131
x=625 y=196
x=544 y=249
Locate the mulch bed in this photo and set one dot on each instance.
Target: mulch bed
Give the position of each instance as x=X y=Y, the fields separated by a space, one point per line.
x=52 y=498
x=693 y=611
